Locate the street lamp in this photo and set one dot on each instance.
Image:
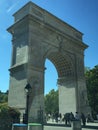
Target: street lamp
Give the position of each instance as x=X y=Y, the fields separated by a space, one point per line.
x=27 y=90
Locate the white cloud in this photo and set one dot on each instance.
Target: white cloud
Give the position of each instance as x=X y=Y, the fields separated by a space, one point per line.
x=12 y=6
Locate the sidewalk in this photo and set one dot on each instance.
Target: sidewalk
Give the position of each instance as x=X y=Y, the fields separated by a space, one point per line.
x=65 y=128
x=61 y=126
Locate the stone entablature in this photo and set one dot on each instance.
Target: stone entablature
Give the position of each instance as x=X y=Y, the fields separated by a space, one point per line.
x=47 y=18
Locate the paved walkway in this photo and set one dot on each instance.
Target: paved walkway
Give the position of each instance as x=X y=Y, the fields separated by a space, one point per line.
x=61 y=126
x=65 y=128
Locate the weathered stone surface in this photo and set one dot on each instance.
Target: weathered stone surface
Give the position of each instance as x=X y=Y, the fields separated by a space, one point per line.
x=36 y=36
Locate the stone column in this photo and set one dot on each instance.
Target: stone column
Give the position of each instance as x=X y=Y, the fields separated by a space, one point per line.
x=67 y=95
x=82 y=100
x=36 y=103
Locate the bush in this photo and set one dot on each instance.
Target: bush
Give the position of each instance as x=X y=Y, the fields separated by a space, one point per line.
x=8 y=116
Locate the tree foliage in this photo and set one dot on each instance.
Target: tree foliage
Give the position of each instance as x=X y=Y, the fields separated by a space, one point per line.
x=51 y=102
x=8 y=115
x=3 y=97
x=92 y=88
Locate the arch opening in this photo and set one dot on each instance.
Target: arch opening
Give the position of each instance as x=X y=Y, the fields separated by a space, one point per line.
x=51 y=77
x=63 y=68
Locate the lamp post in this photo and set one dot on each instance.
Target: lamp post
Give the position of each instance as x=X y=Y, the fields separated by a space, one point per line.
x=27 y=90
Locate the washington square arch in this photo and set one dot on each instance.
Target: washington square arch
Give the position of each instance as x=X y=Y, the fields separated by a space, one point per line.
x=37 y=35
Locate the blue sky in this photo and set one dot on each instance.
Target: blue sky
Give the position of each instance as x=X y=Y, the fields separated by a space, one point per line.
x=81 y=14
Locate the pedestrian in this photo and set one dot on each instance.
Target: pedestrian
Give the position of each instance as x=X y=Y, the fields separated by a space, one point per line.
x=53 y=117
x=67 y=118
x=88 y=118
x=60 y=116
x=77 y=116
x=83 y=118
x=72 y=116
x=56 y=116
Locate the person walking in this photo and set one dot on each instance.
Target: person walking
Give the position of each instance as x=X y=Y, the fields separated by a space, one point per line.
x=83 y=118
x=77 y=116
x=72 y=117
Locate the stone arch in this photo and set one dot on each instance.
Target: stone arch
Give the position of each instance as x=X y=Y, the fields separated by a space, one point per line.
x=37 y=35
x=65 y=67
x=62 y=64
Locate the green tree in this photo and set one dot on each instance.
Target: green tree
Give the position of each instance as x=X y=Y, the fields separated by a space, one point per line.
x=92 y=88
x=51 y=102
x=8 y=116
x=3 y=97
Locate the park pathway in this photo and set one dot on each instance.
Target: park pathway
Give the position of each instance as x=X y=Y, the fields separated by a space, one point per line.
x=60 y=126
